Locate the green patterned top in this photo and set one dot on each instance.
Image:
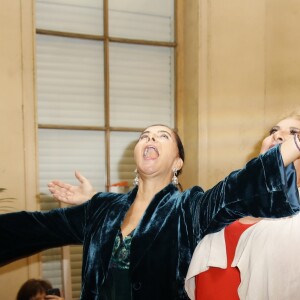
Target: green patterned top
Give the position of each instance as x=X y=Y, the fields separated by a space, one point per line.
x=117 y=285
x=121 y=251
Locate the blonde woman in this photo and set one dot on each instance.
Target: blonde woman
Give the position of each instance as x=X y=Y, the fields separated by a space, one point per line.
x=253 y=259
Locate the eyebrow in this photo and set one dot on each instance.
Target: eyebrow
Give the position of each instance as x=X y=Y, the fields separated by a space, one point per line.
x=164 y=131
x=144 y=132
x=295 y=128
x=290 y=128
x=160 y=131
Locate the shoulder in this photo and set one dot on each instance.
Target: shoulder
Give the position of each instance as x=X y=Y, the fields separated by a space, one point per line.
x=107 y=198
x=193 y=191
x=190 y=196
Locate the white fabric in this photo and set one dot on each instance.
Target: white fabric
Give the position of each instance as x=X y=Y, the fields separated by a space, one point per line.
x=267 y=255
x=210 y=252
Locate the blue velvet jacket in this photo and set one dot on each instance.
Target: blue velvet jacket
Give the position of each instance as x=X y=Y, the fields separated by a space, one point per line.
x=167 y=234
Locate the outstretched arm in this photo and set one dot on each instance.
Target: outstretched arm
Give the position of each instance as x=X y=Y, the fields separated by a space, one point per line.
x=72 y=194
x=265 y=187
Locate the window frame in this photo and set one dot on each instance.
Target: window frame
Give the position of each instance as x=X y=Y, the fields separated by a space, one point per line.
x=106 y=39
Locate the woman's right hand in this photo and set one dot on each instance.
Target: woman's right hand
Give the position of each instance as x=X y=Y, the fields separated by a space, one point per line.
x=71 y=194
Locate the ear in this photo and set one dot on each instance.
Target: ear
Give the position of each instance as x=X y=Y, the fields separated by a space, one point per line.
x=178 y=164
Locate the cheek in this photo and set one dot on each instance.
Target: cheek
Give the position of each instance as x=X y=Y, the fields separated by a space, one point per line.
x=136 y=151
x=297 y=167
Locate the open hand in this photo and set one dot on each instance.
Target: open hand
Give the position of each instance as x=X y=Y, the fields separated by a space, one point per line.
x=71 y=194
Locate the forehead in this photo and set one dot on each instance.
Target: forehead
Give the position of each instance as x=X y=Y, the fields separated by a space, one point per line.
x=39 y=296
x=289 y=122
x=159 y=128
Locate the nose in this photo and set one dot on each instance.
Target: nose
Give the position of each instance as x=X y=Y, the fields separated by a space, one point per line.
x=278 y=137
x=151 y=138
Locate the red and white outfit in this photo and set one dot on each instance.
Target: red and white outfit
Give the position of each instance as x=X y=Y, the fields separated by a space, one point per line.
x=264 y=266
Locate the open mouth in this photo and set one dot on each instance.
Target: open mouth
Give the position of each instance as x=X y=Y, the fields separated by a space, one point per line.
x=150 y=152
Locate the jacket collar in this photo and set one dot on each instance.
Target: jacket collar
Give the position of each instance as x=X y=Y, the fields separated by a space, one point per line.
x=156 y=214
x=147 y=230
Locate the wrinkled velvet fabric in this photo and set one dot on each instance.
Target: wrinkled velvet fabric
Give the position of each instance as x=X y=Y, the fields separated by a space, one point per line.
x=167 y=234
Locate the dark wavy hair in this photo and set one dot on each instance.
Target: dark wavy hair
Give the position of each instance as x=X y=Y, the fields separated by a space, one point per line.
x=32 y=287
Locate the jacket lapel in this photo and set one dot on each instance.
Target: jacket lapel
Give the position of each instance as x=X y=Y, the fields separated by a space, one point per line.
x=111 y=227
x=152 y=222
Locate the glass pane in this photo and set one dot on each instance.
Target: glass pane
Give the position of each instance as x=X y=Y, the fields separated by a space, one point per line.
x=52 y=266
x=142 y=19
x=62 y=152
x=70 y=16
x=76 y=264
x=70 y=84
x=141 y=85
x=51 y=259
x=122 y=161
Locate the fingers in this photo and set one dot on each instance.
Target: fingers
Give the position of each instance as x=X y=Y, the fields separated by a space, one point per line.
x=71 y=194
x=79 y=177
x=59 y=184
x=61 y=191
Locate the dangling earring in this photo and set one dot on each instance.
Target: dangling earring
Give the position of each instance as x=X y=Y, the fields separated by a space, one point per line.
x=174 y=178
x=136 y=178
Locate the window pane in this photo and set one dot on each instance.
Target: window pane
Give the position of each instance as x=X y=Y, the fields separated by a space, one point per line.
x=51 y=259
x=61 y=152
x=52 y=266
x=70 y=16
x=76 y=264
x=141 y=85
x=122 y=161
x=70 y=81
x=142 y=19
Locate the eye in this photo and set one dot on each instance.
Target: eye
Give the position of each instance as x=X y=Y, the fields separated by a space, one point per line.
x=165 y=136
x=143 y=136
x=273 y=130
x=294 y=131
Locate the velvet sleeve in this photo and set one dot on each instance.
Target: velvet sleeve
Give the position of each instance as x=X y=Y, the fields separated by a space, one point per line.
x=26 y=233
x=263 y=188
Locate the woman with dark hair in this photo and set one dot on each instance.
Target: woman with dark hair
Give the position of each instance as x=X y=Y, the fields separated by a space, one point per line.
x=37 y=289
x=139 y=245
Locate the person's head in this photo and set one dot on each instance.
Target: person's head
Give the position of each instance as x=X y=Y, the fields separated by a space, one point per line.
x=283 y=130
x=34 y=289
x=159 y=150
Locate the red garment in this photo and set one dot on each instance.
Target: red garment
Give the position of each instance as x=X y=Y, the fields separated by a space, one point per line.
x=222 y=284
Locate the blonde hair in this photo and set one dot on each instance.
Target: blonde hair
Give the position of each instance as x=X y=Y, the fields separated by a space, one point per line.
x=294 y=114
